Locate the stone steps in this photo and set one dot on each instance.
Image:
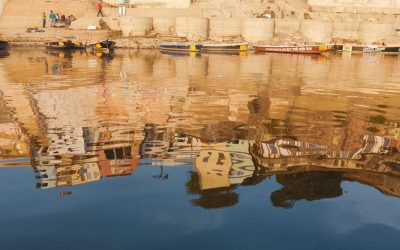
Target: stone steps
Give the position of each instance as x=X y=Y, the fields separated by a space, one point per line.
x=52 y=34
x=151 y=12
x=28 y=13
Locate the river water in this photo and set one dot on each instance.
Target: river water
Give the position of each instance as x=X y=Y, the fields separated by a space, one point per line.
x=143 y=150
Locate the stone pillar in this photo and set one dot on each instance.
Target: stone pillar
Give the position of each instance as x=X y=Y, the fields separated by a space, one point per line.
x=287 y=26
x=317 y=31
x=164 y=25
x=224 y=27
x=2 y=6
x=374 y=32
x=257 y=29
x=136 y=26
x=346 y=30
x=193 y=28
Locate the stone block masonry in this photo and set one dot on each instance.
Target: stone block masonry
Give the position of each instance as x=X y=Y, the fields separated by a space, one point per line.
x=151 y=3
x=300 y=21
x=258 y=30
x=316 y=31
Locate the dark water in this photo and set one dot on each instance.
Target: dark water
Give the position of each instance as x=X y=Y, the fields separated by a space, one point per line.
x=142 y=150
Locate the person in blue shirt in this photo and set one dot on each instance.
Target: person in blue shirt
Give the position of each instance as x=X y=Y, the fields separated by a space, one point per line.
x=52 y=17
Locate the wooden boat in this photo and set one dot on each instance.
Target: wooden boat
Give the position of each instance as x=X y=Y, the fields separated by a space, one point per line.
x=3 y=45
x=302 y=49
x=234 y=47
x=334 y=47
x=65 y=45
x=362 y=48
x=391 y=49
x=174 y=53
x=105 y=46
x=196 y=47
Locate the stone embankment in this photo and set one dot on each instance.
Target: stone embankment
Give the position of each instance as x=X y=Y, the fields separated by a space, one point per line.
x=149 y=22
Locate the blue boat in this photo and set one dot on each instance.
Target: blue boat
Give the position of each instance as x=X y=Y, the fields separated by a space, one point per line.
x=187 y=47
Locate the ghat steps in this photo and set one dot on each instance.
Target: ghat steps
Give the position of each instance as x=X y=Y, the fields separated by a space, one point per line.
x=20 y=14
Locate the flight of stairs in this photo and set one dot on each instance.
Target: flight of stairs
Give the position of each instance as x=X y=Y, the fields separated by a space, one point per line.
x=18 y=15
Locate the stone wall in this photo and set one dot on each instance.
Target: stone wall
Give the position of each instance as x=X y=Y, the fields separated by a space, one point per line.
x=326 y=21
x=261 y=30
x=356 y=6
x=2 y=6
x=153 y=3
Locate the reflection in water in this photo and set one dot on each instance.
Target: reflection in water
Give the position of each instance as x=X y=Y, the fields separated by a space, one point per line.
x=306 y=185
x=235 y=120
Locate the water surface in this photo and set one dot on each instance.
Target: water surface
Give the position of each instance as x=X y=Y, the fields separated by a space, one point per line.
x=143 y=150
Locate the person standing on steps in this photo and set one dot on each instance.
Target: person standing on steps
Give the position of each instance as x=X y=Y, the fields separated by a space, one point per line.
x=100 y=8
x=52 y=18
x=44 y=20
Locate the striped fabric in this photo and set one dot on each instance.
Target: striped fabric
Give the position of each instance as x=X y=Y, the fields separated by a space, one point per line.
x=276 y=150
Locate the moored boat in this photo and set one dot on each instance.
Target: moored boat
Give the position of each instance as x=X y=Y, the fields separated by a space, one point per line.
x=301 y=49
x=334 y=47
x=362 y=48
x=3 y=45
x=233 y=47
x=187 y=47
x=391 y=49
x=65 y=45
x=105 y=46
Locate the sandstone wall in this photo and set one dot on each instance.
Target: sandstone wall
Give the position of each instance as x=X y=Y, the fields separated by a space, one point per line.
x=2 y=6
x=317 y=31
x=164 y=25
x=193 y=28
x=139 y=26
x=287 y=26
x=257 y=29
x=224 y=27
x=356 y=6
x=154 y=3
x=329 y=20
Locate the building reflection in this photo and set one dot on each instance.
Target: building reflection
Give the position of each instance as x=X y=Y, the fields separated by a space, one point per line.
x=259 y=116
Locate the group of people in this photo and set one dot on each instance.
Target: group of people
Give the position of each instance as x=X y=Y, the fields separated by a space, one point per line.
x=56 y=18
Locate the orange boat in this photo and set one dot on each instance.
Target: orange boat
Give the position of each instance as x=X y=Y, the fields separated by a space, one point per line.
x=303 y=49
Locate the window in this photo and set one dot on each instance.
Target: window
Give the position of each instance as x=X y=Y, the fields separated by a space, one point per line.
x=118 y=153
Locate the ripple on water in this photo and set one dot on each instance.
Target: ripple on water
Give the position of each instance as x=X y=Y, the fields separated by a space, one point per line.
x=216 y=126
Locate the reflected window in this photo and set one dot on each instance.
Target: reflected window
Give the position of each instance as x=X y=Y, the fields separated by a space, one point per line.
x=118 y=153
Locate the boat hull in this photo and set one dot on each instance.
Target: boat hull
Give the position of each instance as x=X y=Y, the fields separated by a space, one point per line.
x=224 y=47
x=371 y=49
x=181 y=47
x=105 y=46
x=65 y=45
x=306 y=49
x=391 y=49
x=3 y=45
x=362 y=49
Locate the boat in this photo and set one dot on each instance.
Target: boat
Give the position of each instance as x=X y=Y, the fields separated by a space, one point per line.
x=3 y=45
x=362 y=48
x=233 y=47
x=105 y=46
x=334 y=47
x=186 y=47
x=175 y=53
x=391 y=49
x=65 y=45
x=301 y=49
